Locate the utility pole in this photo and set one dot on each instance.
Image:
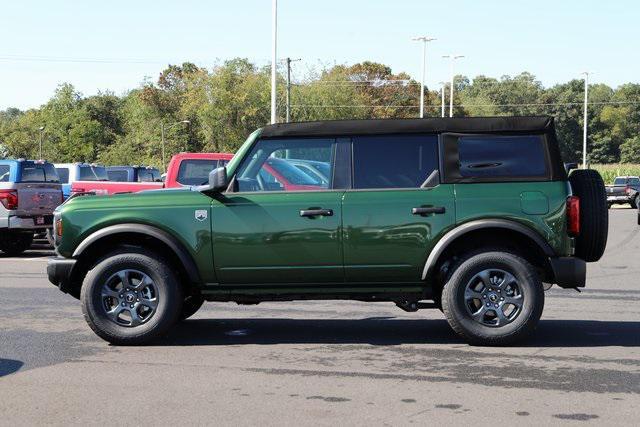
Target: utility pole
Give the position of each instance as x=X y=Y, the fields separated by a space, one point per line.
x=442 y=87
x=452 y=59
x=584 y=126
x=41 y=129
x=289 y=61
x=274 y=56
x=424 y=40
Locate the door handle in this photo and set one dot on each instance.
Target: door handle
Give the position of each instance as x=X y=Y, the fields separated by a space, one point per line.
x=311 y=213
x=424 y=211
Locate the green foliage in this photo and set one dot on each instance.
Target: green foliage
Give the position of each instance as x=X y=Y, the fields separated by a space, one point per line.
x=226 y=103
x=611 y=171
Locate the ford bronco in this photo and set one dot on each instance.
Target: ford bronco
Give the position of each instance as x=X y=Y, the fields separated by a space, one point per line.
x=472 y=216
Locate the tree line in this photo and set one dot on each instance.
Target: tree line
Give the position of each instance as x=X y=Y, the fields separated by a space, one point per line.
x=223 y=105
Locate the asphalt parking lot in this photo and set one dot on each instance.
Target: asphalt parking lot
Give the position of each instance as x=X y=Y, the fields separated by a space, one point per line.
x=326 y=363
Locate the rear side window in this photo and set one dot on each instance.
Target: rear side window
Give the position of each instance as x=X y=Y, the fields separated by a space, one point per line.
x=118 y=175
x=38 y=172
x=148 y=175
x=93 y=173
x=4 y=173
x=498 y=156
x=195 y=172
x=63 y=174
x=394 y=161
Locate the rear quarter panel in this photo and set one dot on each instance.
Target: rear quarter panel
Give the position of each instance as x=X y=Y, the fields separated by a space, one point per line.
x=541 y=206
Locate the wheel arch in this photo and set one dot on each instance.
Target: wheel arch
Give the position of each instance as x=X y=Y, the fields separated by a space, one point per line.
x=498 y=229
x=137 y=235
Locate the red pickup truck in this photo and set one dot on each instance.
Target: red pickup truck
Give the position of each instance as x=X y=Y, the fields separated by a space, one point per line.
x=185 y=169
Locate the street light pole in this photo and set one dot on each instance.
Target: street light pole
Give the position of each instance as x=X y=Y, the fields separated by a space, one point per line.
x=442 y=88
x=274 y=56
x=424 y=40
x=584 y=126
x=162 y=133
x=289 y=61
x=452 y=59
x=41 y=129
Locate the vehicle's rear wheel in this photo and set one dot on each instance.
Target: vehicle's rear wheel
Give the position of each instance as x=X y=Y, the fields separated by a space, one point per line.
x=493 y=298
x=635 y=202
x=190 y=306
x=131 y=297
x=587 y=184
x=14 y=242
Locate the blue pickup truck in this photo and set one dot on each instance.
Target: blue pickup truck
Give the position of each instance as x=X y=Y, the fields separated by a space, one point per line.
x=29 y=192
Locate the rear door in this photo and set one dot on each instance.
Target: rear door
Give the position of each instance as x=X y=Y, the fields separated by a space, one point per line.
x=396 y=209
x=39 y=190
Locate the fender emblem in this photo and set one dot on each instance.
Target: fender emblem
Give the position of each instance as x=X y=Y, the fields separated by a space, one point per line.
x=201 y=214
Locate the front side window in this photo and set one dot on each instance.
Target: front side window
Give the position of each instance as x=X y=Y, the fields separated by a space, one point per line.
x=496 y=156
x=195 y=172
x=271 y=165
x=393 y=161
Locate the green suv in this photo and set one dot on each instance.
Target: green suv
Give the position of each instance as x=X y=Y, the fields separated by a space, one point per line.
x=473 y=216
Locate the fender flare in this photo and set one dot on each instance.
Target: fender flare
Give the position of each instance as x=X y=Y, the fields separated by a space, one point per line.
x=467 y=227
x=178 y=248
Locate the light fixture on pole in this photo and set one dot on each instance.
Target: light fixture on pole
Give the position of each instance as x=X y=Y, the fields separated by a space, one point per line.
x=586 y=75
x=424 y=40
x=41 y=129
x=452 y=58
x=289 y=61
x=163 y=129
x=274 y=56
x=442 y=87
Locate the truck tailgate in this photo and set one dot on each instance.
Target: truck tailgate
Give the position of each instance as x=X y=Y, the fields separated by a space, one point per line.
x=38 y=198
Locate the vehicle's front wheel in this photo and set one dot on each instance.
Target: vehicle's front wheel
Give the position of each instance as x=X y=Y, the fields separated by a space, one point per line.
x=493 y=298
x=13 y=242
x=131 y=297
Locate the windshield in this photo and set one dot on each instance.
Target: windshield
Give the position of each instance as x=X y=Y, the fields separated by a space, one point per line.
x=38 y=172
x=93 y=173
x=292 y=174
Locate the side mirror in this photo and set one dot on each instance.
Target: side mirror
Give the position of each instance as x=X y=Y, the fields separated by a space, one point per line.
x=218 y=180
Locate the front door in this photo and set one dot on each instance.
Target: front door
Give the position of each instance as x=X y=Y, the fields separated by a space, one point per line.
x=395 y=209
x=267 y=231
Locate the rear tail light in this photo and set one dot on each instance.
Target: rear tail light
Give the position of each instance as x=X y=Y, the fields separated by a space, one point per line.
x=627 y=189
x=9 y=199
x=573 y=215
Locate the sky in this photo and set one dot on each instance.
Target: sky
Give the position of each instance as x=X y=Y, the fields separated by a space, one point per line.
x=115 y=45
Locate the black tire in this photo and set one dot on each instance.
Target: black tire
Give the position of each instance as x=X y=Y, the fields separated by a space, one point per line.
x=190 y=306
x=458 y=308
x=635 y=202
x=587 y=184
x=167 y=290
x=13 y=242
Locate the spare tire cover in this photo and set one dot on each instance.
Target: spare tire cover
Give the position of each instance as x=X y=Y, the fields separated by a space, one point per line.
x=588 y=185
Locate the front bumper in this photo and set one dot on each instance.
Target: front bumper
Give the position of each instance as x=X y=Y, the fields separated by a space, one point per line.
x=60 y=271
x=569 y=272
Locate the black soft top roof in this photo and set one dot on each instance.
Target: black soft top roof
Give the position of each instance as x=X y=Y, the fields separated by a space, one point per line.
x=538 y=124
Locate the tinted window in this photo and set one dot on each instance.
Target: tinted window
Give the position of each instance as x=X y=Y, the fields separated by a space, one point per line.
x=118 y=175
x=38 y=172
x=270 y=166
x=93 y=173
x=149 y=175
x=633 y=181
x=4 y=173
x=195 y=172
x=394 y=161
x=502 y=156
x=63 y=174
